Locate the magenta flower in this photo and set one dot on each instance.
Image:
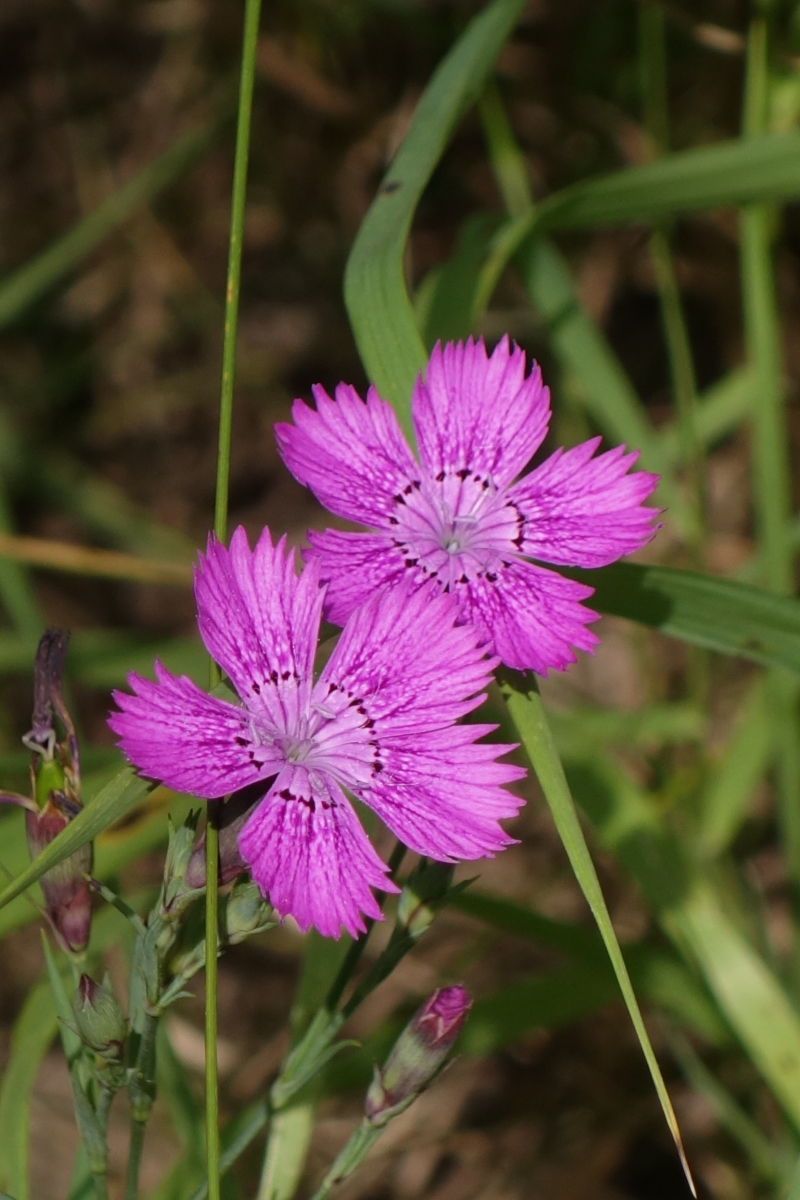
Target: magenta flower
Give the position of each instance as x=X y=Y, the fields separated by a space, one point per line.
x=456 y=521
x=379 y=722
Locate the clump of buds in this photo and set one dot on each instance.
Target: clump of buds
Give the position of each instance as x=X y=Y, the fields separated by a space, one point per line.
x=56 y=798
x=100 y=1020
x=418 y=1054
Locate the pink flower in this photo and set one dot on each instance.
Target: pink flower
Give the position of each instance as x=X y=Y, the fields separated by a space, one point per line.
x=379 y=721
x=456 y=521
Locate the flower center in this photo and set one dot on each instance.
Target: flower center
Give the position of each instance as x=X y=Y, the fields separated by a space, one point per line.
x=456 y=528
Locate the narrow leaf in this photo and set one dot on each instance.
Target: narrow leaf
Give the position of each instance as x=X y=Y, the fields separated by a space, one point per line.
x=115 y=800
x=34 y=1030
x=375 y=290
x=734 y=172
x=719 y=614
x=527 y=712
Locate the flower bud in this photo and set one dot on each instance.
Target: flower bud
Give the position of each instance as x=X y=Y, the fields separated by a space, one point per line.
x=55 y=772
x=233 y=814
x=99 y=1018
x=247 y=912
x=425 y=891
x=67 y=895
x=177 y=891
x=418 y=1054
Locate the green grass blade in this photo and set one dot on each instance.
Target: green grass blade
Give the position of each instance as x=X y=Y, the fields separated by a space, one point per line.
x=527 y=712
x=749 y=995
x=723 y=803
x=584 y=354
x=35 y=278
x=375 y=290
x=115 y=800
x=740 y=171
x=445 y=305
x=720 y=411
x=657 y=975
x=33 y=1031
x=719 y=614
x=731 y=1117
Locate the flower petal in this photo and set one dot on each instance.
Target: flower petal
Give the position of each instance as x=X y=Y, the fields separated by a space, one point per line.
x=175 y=733
x=441 y=793
x=353 y=565
x=585 y=511
x=402 y=654
x=479 y=412
x=353 y=456
x=533 y=616
x=260 y=621
x=307 y=851
x=407 y=672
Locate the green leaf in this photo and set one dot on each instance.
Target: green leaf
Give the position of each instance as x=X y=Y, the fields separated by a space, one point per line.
x=115 y=800
x=720 y=411
x=375 y=293
x=723 y=804
x=602 y=385
x=747 y=992
x=527 y=712
x=33 y=1031
x=729 y=173
x=719 y=614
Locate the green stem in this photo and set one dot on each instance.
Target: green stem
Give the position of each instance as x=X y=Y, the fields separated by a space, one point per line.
x=134 y=1161
x=653 y=81
x=142 y=1091
x=350 y=1157
x=212 y=938
x=246 y=83
x=771 y=465
x=247 y=79
x=353 y=955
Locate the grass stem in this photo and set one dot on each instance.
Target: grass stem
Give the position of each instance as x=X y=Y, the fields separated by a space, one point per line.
x=246 y=84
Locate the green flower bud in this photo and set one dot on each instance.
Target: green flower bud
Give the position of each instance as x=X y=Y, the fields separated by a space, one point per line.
x=100 y=1019
x=247 y=912
x=417 y=1055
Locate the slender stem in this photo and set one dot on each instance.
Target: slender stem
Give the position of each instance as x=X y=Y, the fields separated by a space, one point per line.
x=249 y=46
x=134 y=1160
x=212 y=1076
x=351 y=959
x=771 y=465
x=655 y=109
x=141 y=1090
x=246 y=84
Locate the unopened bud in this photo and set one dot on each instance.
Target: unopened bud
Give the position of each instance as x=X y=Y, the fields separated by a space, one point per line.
x=247 y=912
x=99 y=1018
x=232 y=816
x=177 y=892
x=67 y=895
x=55 y=772
x=425 y=890
x=418 y=1054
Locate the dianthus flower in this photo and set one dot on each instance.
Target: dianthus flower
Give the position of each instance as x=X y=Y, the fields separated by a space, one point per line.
x=456 y=521
x=379 y=722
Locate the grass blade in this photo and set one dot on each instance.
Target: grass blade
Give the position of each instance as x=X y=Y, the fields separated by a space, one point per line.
x=761 y=168
x=375 y=290
x=33 y=1031
x=115 y=800
x=527 y=712
x=719 y=614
